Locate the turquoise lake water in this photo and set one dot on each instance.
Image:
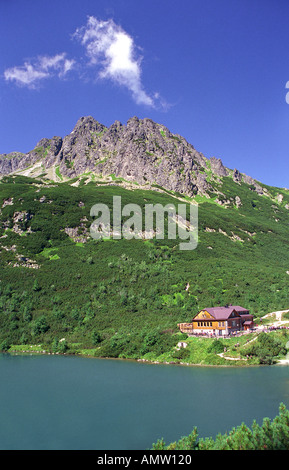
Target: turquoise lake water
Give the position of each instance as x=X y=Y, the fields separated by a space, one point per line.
x=62 y=402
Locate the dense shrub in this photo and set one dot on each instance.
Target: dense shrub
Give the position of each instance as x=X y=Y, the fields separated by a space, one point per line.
x=271 y=435
x=217 y=346
x=266 y=348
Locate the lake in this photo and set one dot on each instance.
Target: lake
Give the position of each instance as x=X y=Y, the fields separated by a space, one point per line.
x=66 y=402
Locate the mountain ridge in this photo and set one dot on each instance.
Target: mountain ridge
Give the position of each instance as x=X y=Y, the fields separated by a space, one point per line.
x=141 y=152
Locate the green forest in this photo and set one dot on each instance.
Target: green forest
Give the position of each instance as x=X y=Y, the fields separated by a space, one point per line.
x=62 y=291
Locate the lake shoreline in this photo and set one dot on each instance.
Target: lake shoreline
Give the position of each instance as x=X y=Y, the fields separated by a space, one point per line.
x=283 y=362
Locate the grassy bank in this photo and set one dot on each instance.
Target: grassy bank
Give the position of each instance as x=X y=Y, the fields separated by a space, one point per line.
x=246 y=350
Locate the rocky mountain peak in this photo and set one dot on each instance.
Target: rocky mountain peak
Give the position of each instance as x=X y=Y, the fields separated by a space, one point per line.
x=142 y=152
x=87 y=124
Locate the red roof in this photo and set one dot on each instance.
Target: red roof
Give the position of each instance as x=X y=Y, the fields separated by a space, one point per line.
x=223 y=313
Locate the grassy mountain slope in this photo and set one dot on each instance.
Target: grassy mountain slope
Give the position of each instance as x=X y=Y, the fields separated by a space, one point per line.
x=124 y=298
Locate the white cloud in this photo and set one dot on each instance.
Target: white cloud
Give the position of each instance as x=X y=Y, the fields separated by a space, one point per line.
x=114 y=51
x=24 y=75
x=31 y=73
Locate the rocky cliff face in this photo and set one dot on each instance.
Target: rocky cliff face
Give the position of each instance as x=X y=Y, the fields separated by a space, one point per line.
x=141 y=151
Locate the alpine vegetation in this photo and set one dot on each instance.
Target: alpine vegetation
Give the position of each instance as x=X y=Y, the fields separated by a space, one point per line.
x=133 y=226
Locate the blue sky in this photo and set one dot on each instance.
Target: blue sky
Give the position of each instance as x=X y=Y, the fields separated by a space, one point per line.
x=214 y=71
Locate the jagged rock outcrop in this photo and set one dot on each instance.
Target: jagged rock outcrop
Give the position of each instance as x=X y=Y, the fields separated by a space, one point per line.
x=218 y=167
x=141 y=151
x=237 y=177
x=11 y=162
